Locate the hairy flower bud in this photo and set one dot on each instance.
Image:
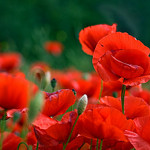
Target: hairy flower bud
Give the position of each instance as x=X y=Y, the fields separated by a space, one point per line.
x=83 y=101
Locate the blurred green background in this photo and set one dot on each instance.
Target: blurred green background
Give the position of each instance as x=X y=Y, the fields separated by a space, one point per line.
x=26 y=24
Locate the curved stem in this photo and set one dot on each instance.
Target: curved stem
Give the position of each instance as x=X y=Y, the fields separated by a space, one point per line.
x=91 y=144
x=3 y=125
x=37 y=146
x=122 y=97
x=65 y=145
x=97 y=144
x=101 y=144
x=24 y=144
x=101 y=90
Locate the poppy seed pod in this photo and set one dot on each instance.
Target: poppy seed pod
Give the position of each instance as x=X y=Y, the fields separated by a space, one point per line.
x=82 y=104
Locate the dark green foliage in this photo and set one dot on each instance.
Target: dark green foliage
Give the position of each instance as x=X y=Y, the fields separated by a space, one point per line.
x=26 y=24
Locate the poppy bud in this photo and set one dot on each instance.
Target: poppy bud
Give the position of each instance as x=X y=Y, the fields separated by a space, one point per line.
x=83 y=101
x=38 y=73
x=47 y=77
x=53 y=83
x=115 y=94
x=75 y=93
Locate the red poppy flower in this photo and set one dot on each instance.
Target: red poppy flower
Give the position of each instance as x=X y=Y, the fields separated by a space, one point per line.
x=118 y=56
x=54 y=47
x=31 y=138
x=14 y=91
x=58 y=102
x=9 y=61
x=92 y=82
x=77 y=81
x=104 y=123
x=50 y=132
x=90 y=36
x=10 y=141
x=64 y=78
x=134 y=106
x=144 y=94
x=141 y=139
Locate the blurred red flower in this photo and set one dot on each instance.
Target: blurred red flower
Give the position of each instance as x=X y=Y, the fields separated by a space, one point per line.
x=58 y=102
x=54 y=47
x=11 y=141
x=9 y=61
x=118 y=56
x=144 y=94
x=86 y=83
x=15 y=92
x=64 y=78
x=90 y=36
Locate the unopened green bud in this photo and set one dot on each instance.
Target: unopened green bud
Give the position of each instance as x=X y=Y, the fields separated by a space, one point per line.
x=83 y=101
x=75 y=93
x=115 y=94
x=47 y=77
x=53 y=83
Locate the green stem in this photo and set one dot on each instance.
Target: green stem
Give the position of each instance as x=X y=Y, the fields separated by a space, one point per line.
x=97 y=144
x=65 y=145
x=3 y=126
x=72 y=108
x=122 y=97
x=53 y=89
x=91 y=144
x=81 y=146
x=101 y=90
x=101 y=144
x=37 y=146
x=24 y=144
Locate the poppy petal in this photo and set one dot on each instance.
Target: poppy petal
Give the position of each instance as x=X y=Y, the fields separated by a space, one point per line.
x=125 y=70
x=136 y=81
x=137 y=141
x=117 y=41
x=90 y=36
x=103 y=68
x=58 y=102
